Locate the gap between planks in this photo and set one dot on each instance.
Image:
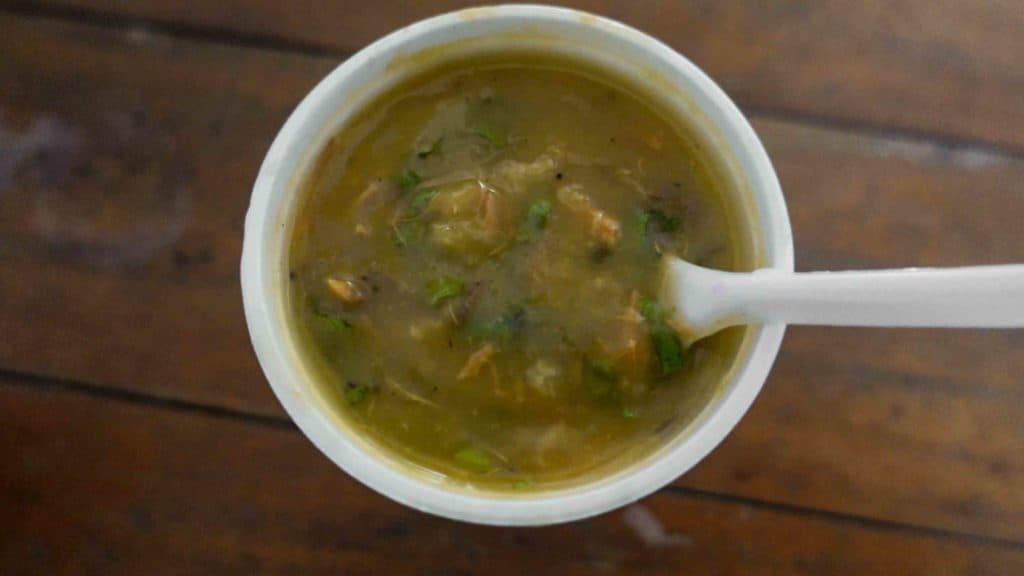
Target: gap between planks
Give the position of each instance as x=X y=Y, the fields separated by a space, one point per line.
x=12 y=379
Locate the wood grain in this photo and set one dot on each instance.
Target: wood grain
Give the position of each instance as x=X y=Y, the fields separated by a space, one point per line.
x=950 y=67
x=127 y=167
x=129 y=163
x=102 y=487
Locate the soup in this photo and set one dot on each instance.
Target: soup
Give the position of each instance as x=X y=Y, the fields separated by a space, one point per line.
x=473 y=269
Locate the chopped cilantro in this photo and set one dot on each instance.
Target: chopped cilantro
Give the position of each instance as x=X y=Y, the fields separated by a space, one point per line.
x=441 y=289
x=473 y=459
x=421 y=200
x=355 y=393
x=408 y=180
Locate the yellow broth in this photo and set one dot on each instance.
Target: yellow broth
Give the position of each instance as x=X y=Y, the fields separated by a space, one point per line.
x=473 y=264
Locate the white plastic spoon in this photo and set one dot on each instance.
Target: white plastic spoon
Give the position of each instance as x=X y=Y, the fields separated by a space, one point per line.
x=706 y=301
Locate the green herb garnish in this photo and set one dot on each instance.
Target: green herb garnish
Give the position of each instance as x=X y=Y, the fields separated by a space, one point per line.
x=651 y=312
x=536 y=219
x=473 y=459
x=521 y=484
x=408 y=180
x=628 y=412
x=669 y=349
x=332 y=322
x=421 y=200
x=599 y=375
x=441 y=289
x=496 y=136
x=655 y=220
x=355 y=393
x=602 y=368
x=667 y=345
x=407 y=233
x=537 y=214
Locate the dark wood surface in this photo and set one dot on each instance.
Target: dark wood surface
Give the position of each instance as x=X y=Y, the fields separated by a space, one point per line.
x=140 y=436
x=940 y=67
x=108 y=486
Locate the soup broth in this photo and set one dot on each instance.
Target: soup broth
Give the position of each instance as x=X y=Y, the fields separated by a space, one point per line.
x=473 y=267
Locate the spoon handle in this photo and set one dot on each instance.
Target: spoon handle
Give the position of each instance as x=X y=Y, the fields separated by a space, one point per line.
x=980 y=296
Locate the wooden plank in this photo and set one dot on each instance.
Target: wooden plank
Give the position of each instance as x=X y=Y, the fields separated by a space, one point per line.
x=99 y=486
x=921 y=427
x=129 y=176
x=948 y=67
x=883 y=445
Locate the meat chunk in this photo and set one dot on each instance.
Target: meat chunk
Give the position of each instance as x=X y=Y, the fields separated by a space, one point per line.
x=604 y=229
x=468 y=220
x=477 y=360
x=543 y=376
x=516 y=177
x=629 y=344
x=346 y=290
x=470 y=239
x=375 y=196
x=458 y=201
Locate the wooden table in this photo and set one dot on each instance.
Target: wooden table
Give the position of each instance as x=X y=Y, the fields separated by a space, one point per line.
x=138 y=436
